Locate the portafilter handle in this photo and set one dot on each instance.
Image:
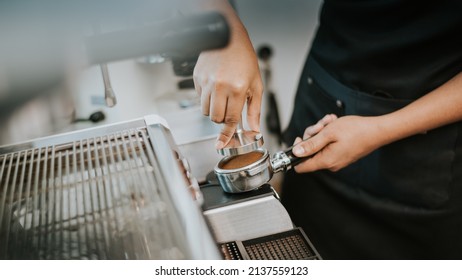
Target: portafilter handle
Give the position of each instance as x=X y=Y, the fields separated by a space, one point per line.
x=285 y=160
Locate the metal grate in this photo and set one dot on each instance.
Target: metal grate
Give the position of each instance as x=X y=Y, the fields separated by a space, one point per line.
x=230 y=251
x=283 y=246
x=288 y=245
x=96 y=198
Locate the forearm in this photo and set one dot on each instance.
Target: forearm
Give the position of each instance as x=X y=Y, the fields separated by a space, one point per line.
x=238 y=31
x=440 y=107
x=227 y=79
x=332 y=144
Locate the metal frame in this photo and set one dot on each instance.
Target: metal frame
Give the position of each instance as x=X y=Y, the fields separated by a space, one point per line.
x=119 y=191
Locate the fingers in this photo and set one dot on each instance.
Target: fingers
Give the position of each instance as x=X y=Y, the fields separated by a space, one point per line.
x=328 y=119
x=203 y=92
x=218 y=107
x=225 y=80
x=222 y=107
x=297 y=140
x=313 y=142
x=310 y=146
x=315 y=129
x=253 y=108
x=231 y=118
x=225 y=105
x=308 y=166
x=314 y=147
x=205 y=103
x=225 y=135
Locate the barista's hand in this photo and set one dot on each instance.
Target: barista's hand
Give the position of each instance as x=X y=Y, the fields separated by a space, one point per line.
x=226 y=79
x=338 y=142
x=347 y=139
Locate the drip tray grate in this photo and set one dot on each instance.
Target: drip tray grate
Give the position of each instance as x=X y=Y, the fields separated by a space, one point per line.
x=96 y=198
x=288 y=245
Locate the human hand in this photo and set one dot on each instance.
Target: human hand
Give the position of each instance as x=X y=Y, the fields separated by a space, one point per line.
x=226 y=79
x=337 y=142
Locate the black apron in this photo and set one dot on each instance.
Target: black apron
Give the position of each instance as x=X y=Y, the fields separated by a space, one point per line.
x=402 y=201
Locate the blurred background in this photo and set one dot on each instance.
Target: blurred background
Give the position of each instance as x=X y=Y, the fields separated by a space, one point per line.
x=88 y=64
x=49 y=87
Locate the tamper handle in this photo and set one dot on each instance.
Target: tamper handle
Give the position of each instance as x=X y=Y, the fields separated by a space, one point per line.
x=239 y=132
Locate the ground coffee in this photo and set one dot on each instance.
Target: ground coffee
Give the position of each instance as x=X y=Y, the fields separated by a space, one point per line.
x=240 y=161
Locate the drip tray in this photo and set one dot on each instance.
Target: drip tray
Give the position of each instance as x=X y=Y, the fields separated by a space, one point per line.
x=288 y=245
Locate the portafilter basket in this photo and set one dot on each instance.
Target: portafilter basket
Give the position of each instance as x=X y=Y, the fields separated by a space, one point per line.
x=247 y=172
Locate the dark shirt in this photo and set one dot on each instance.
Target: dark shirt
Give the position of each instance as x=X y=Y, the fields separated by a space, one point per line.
x=395 y=48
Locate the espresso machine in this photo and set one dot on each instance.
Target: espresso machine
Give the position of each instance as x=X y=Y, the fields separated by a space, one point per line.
x=127 y=191
x=143 y=188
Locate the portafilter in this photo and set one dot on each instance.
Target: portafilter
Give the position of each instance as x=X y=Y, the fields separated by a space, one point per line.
x=249 y=171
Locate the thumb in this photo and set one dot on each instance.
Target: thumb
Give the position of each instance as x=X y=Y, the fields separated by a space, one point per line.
x=310 y=146
x=225 y=135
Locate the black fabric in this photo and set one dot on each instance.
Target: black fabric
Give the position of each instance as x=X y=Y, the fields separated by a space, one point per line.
x=397 y=48
x=403 y=201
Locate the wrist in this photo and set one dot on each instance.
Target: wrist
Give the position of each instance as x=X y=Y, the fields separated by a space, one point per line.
x=391 y=128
